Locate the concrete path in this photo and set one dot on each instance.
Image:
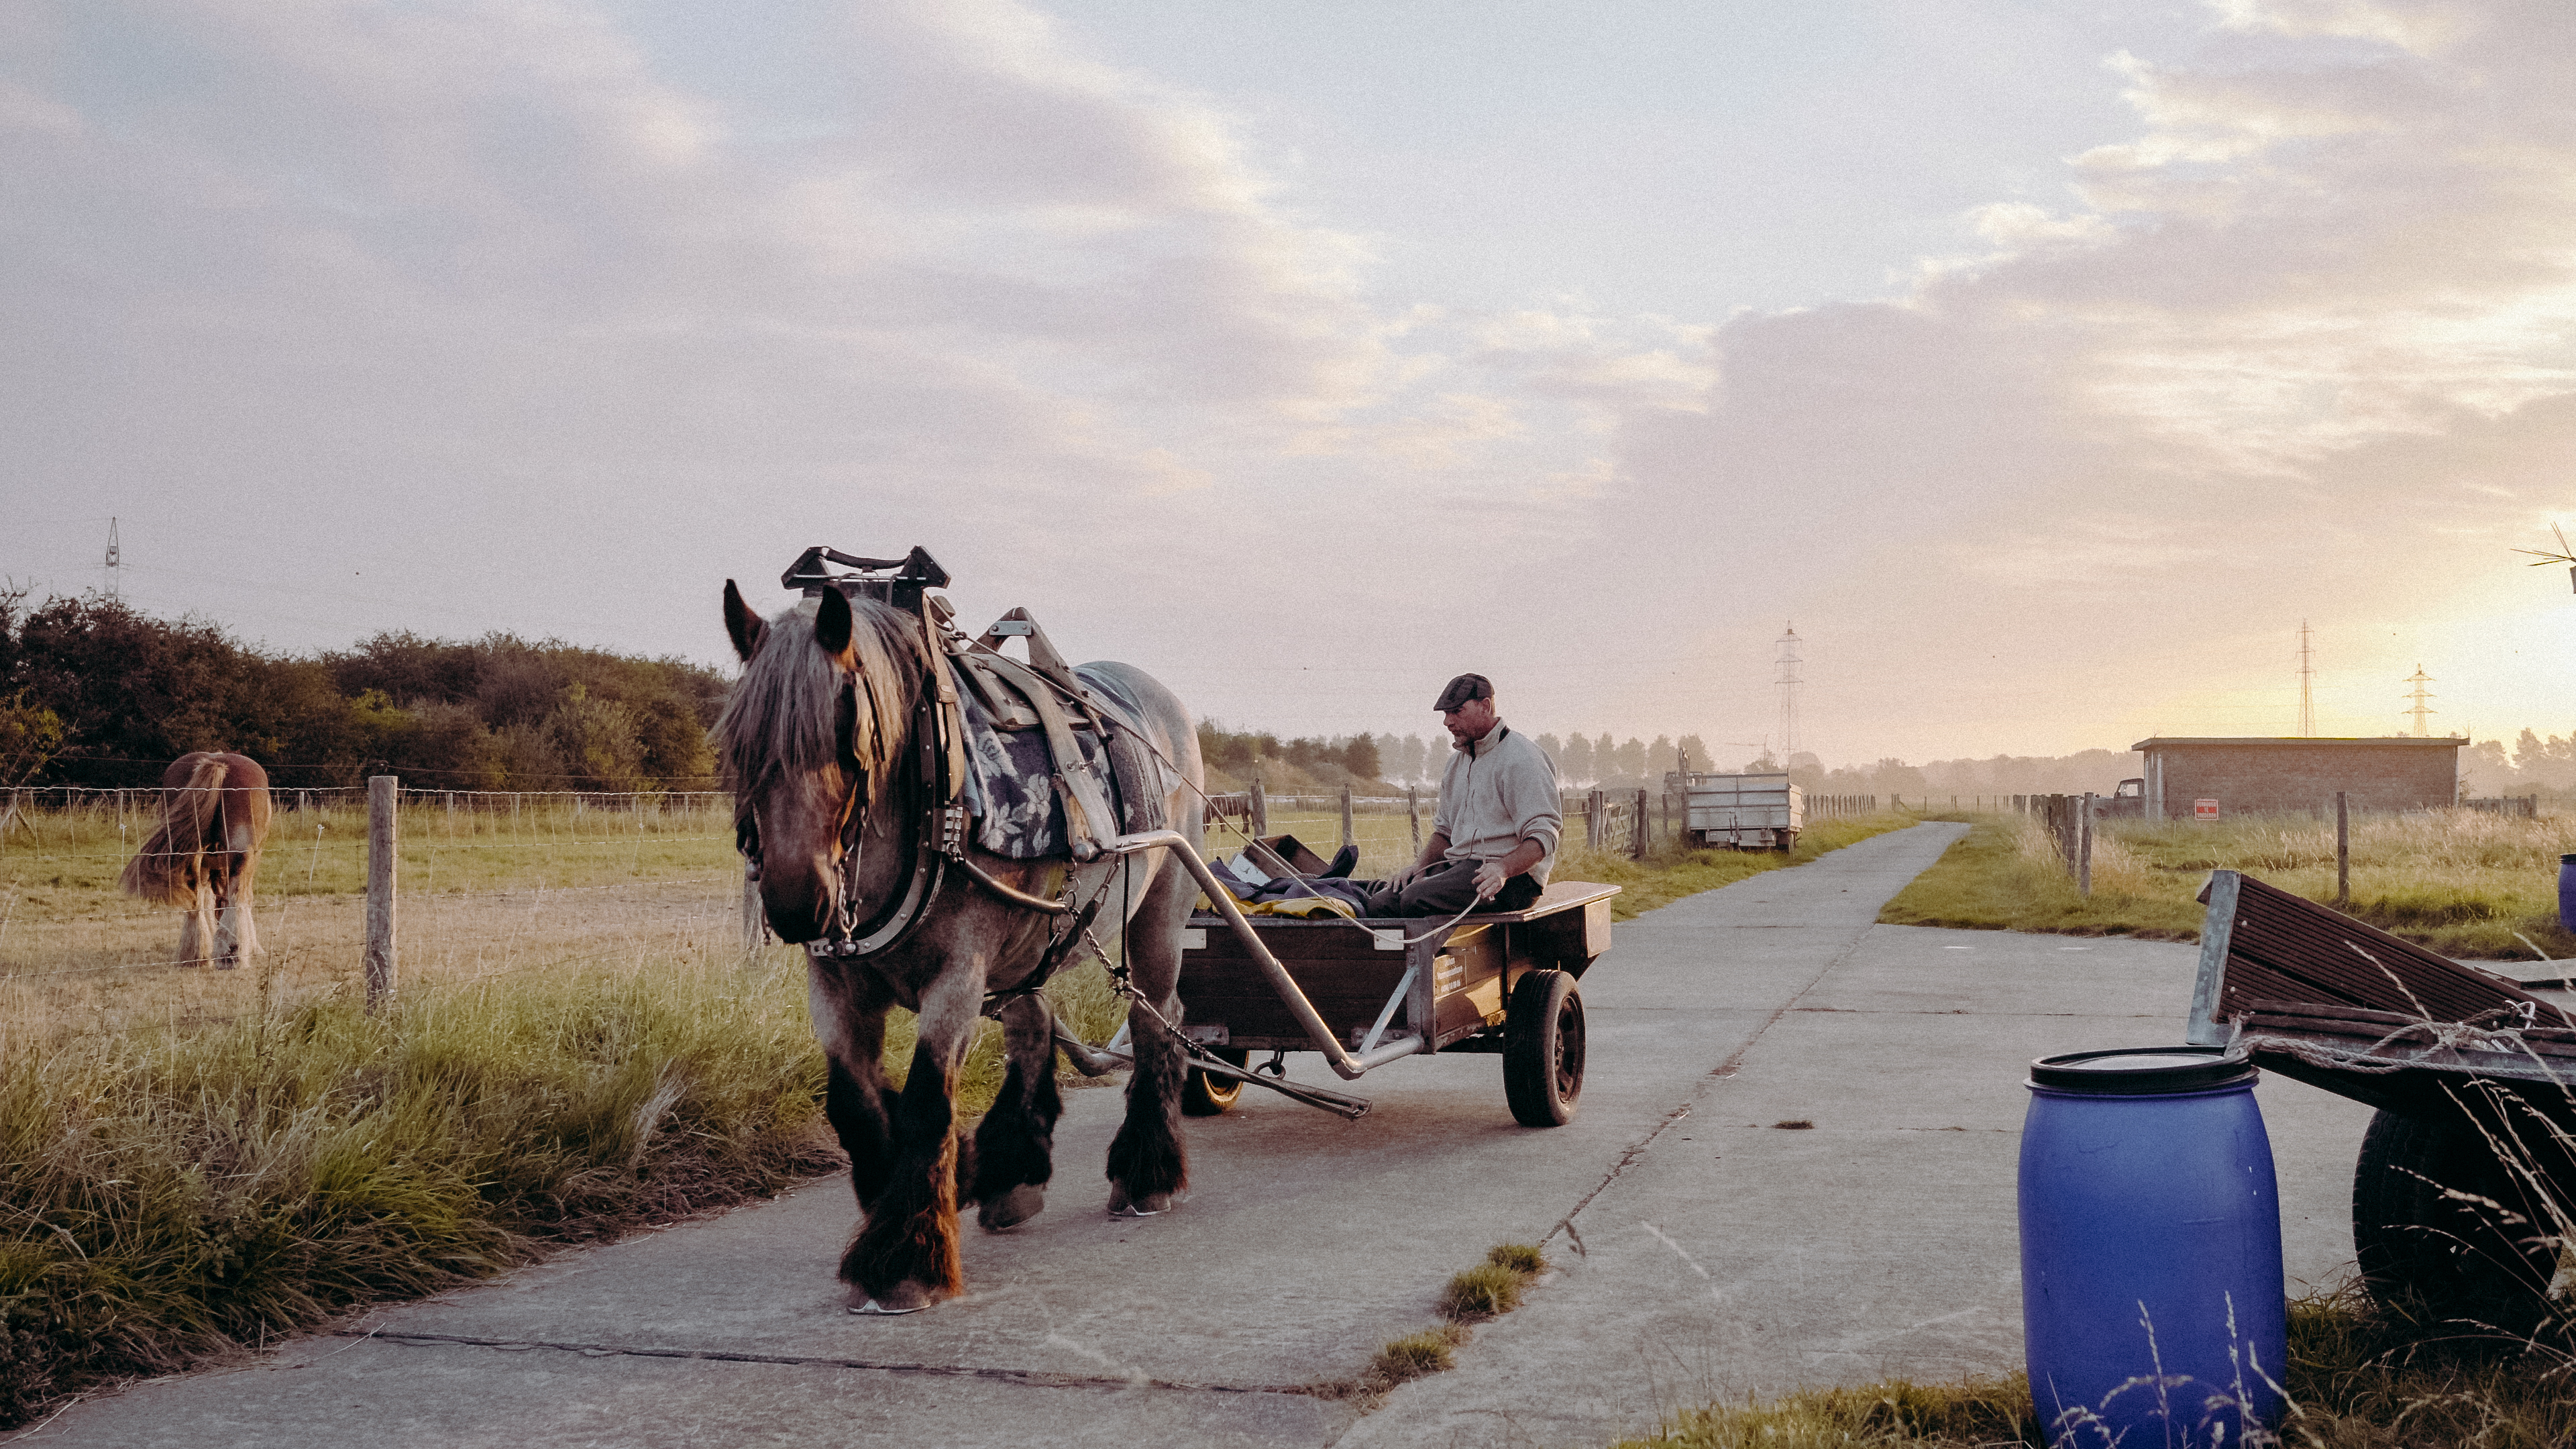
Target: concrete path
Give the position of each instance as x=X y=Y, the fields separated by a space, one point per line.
x=1702 y=1250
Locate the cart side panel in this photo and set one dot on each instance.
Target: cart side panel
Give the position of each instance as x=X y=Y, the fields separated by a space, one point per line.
x=1467 y=982
x=1340 y=969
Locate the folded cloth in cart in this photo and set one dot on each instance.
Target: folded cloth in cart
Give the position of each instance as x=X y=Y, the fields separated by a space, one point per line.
x=1256 y=894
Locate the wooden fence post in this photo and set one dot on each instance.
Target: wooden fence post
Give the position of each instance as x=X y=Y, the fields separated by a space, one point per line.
x=1413 y=817
x=2084 y=852
x=1260 y=810
x=2343 y=853
x=1637 y=835
x=1347 y=835
x=383 y=793
x=1592 y=821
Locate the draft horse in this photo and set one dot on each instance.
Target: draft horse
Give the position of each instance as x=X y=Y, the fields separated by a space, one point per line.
x=822 y=743
x=204 y=854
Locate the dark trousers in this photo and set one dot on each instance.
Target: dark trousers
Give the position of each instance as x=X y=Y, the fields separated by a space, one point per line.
x=1445 y=889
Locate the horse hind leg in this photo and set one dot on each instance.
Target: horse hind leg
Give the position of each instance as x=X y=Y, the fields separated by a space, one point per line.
x=1149 y=1167
x=1015 y=1146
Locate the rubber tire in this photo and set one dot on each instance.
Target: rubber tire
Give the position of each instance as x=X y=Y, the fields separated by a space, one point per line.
x=1206 y=1096
x=1543 y=1049
x=2434 y=1258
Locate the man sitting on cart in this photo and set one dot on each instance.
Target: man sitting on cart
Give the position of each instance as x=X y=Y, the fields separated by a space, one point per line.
x=1495 y=837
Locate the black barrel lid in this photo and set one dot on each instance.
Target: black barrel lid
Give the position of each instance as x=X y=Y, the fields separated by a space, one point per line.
x=2137 y=1071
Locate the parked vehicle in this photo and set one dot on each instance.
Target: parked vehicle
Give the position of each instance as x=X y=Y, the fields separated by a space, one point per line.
x=1745 y=812
x=2129 y=799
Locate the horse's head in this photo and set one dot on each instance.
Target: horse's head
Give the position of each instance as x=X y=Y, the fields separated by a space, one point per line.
x=808 y=740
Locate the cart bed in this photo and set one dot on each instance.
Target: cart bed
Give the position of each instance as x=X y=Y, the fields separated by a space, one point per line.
x=1460 y=976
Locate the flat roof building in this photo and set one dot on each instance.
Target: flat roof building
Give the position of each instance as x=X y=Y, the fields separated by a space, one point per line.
x=2210 y=778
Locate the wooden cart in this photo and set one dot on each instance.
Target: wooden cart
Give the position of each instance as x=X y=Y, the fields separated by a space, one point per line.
x=2466 y=1184
x=1363 y=993
x=1503 y=982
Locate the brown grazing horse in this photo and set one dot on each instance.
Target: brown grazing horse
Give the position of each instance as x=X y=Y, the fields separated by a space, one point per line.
x=819 y=747
x=205 y=853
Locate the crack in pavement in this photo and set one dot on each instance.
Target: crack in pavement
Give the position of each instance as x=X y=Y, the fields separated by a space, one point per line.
x=1034 y=1377
x=1723 y=1070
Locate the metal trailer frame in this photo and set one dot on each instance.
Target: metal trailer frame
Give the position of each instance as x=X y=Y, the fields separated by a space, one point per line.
x=2467 y=1172
x=1464 y=1000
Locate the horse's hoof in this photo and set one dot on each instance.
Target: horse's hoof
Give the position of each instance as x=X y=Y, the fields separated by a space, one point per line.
x=1001 y=1214
x=1151 y=1204
x=901 y=1299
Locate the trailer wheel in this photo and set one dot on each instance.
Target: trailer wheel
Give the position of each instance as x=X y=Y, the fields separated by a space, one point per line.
x=2445 y=1231
x=1788 y=841
x=1543 y=1049
x=1206 y=1096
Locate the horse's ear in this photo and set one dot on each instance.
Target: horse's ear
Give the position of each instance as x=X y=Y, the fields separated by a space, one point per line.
x=742 y=623
x=832 y=623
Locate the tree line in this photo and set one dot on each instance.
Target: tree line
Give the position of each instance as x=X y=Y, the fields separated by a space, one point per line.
x=94 y=692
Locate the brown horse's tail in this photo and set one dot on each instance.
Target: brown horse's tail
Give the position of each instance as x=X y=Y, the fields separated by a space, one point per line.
x=164 y=870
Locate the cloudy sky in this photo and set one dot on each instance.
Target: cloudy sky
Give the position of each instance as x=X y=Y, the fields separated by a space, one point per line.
x=2047 y=362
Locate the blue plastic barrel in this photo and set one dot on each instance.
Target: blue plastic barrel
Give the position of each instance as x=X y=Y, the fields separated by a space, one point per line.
x=2152 y=1301
x=2567 y=891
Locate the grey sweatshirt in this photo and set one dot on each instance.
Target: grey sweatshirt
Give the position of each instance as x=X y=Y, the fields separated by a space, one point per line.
x=1496 y=797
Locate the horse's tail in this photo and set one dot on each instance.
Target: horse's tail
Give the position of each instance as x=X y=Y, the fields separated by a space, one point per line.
x=164 y=870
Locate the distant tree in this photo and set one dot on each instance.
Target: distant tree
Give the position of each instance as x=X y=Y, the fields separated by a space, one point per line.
x=1304 y=753
x=1660 y=757
x=30 y=734
x=1554 y=749
x=1360 y=757
x=1632 y=759
x=1576 y=763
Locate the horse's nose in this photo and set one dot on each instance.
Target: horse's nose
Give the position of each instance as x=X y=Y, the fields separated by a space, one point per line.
x=798 y=903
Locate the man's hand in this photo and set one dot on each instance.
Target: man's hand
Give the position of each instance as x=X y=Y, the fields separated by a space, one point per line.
x=1489 y=879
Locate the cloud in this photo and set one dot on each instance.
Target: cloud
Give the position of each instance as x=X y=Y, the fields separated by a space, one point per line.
x=497 y=289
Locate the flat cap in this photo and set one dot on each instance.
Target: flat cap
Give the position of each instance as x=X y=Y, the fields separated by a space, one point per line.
x=1462 y=689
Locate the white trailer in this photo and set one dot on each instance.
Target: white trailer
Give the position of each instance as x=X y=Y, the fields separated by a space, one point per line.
x=1747 y=812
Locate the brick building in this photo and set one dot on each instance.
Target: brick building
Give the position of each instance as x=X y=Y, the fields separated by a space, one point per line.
x=2256 y=775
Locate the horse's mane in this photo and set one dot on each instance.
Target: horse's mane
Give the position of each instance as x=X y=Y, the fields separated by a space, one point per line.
x=164 y=871
x=783 y=714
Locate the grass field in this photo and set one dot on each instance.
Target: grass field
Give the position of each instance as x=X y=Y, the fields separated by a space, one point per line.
x=192 y=1160
x=2467 y=884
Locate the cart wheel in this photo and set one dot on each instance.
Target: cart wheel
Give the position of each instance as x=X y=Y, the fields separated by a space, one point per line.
x=2428 y=1253
x=1788 y=841
x=1206 y=1096
x=1543 y=1049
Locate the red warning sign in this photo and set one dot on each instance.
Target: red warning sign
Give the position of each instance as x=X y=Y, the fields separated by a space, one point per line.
x=2204 y=809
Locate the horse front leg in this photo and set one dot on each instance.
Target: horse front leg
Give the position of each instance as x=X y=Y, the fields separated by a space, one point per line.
x=905 y=1256
x=197 y=928
x=1015 y=1145
x=236 y=935
x=1148 y=1165
x=848 y=1006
